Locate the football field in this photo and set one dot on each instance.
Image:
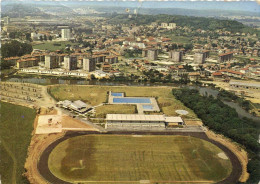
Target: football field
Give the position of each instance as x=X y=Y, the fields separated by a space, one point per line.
x=160 y=158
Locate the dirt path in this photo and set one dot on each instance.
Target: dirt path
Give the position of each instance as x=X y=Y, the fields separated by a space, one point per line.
x=240 y=153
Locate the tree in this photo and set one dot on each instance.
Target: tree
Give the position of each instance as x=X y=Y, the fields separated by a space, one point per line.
x=45 y=37
x=28 y=36
x=15 y=48
x=41 y=38
x=92 y=77
x=188 y=47
x=12 y=35
x=50 y=38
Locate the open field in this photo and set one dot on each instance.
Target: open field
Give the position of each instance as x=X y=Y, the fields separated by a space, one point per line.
x=138 y=157
x=101 y=111
x=129 y=70
x=179 y=39
x=51 y=47
x=95 y=95
x=15 y=135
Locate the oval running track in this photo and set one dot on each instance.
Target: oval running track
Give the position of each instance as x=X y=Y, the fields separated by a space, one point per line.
x=43 y=168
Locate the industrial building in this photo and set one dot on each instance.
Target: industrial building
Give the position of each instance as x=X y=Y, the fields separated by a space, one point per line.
x=141 y=120
x=70 y=63
x=89 y=64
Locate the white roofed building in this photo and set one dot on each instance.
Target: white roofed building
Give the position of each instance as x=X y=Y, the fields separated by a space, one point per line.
x=140 y=120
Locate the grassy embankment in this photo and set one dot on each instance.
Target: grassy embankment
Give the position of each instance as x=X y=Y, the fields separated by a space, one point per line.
x=15 y=136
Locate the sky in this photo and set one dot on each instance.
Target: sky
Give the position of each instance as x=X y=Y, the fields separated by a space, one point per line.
x=251 y=6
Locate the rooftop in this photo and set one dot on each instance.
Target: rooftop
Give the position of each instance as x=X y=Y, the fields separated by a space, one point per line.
x=135 y=117
x=244 y=84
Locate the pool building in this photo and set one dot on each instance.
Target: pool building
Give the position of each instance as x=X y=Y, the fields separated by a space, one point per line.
x=143 y=103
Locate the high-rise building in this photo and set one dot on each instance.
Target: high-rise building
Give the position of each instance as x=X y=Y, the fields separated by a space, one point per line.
x=152 y=54
x=51 y=62
x=225 y=57
x=89 y=64
x=70 y=63
x=6 y=20
x=65 y=34
x=199 y=58
x=176 y=56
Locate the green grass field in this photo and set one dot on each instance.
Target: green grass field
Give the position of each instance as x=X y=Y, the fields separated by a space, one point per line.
x=15 y=136
x=102 y=111
x=95 y=95
x=134 y=158
x=51 y=47
x=179 y=39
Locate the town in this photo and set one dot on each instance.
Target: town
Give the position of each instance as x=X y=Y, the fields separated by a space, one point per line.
x=107 y=92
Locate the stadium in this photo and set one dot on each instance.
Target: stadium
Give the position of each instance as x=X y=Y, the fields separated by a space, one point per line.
x=137 y=157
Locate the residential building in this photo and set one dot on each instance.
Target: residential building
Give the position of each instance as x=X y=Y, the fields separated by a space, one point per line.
x=164 y=25
x=225 y=57
x=106 y=67
x=12 y=60
x=176 y=56
x=152 y=54
x=51 y=62
x=199 y=58
x=111 y=59
x=172 y=26
x=6 y=20
x=89 y=64
x=70 y=62
x=65 y=34
x=25 y=63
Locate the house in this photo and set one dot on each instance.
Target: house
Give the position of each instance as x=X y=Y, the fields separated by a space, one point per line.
x=194 y=75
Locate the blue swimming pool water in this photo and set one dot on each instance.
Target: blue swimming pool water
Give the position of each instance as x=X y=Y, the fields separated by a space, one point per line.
x=147 y=107
x=117 y=94
x=131 y=100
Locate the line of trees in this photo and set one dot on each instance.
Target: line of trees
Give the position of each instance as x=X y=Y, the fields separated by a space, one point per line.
x=223 y=119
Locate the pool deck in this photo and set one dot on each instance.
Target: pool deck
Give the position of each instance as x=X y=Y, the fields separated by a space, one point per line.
x=140 y=108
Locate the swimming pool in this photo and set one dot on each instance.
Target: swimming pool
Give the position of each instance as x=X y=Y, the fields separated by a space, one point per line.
x=147 y=107
x=117 y=94
x=131 y=100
